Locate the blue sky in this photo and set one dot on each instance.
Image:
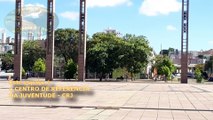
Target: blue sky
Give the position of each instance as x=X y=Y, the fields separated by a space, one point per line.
x=158 y=20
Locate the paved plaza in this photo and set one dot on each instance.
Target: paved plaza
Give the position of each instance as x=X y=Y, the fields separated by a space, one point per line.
x=117 y=101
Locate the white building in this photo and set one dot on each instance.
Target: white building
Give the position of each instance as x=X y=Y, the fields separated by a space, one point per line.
x=193 y=60
x=6 y=43
x=3 y=37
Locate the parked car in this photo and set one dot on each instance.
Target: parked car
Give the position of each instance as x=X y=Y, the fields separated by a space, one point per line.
x=210 y=79
x=4 y=74
x=178 y=75
x=191 y=75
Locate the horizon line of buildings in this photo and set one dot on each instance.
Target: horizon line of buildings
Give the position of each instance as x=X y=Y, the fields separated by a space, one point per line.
x=193 y=59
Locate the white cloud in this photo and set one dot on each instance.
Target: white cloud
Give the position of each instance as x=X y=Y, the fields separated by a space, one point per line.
x=70 y=15
x=108 y=3
x=36 y=4
x=33 y=10
x=159 y=7
x=171 y=28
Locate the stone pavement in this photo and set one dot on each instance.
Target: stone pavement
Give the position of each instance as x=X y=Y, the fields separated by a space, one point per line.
x=118 y=101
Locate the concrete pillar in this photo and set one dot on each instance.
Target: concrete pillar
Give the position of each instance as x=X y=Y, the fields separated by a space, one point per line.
x=184 y=69
x=184 y=41
x=18 y=42
x=82 y=41
x=50 y=40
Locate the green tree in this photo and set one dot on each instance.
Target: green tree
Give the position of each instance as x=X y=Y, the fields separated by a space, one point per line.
x=164 y=66
x=164 y=52
x=102 y=52
x=135 y=53
x=167 y=72
x=23 y=72
x=31 y=52
x=70 y=69
x=201 y=56
x=108 y=52
x=200 y=67
x=66 y=44
x=7 y=61
x=198 y=75
x=209 y=65
x=39 y=66
x=171 y=50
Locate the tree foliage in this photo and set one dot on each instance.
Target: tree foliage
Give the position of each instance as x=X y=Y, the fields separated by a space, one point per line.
x=166 y=71
x=70 y=69
x=135 y=53
x=209 y=64
x=200 y=67
x=31 y=52
x=7 y=61
x=39 y=66
x=107 y=52
x=66 y=44
x=198 y=75
x=102 y=53
x=171 y=50
x=23 y=72
x=201 y=56
x=164 y=66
